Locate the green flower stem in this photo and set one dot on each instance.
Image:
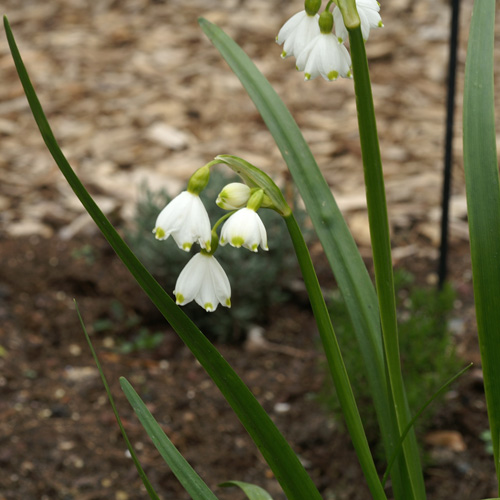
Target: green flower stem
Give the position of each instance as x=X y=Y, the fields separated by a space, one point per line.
x=381 y=248
x=222 y=219
x=335 y=361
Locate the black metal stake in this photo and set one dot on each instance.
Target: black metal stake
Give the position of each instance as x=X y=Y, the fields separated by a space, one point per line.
x=448 y=155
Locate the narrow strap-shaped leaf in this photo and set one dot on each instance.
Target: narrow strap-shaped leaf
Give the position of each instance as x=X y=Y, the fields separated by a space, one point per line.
x=149 y=488
x=483 y=202
x=252 y=491
x=186 y=475
x=277 y=452
x=382 y=262
x=341 y=250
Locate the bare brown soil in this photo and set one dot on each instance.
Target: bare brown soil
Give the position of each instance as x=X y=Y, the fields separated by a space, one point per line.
x=59 y=437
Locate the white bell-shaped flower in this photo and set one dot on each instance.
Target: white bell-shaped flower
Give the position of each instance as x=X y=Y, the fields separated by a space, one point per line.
x=203 y=280
x=324 y=55
x=233 y=196
x=186 y=219
x=244 y=229
x=369 y=16
x=297 y=32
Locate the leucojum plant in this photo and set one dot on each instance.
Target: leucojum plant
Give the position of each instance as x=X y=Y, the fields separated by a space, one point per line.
x=309 y=37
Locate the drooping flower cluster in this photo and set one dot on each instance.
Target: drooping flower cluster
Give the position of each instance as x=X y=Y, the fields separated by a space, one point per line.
x=186 y=219
x=308 y=37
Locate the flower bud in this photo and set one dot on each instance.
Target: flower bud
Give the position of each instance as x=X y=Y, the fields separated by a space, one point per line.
x=233 y=196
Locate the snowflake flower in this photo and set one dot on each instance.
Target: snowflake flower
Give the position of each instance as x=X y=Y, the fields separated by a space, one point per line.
x=244 y=228
x=325 y=56
x=297 y=32
x=186 y=220
x=203 y=280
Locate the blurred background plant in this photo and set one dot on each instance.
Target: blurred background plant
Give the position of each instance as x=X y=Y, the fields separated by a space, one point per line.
x=258 y=281
x=132 y=335
x=427 y=347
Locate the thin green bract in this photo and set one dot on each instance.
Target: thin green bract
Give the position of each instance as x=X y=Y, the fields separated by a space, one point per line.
x=147 y=484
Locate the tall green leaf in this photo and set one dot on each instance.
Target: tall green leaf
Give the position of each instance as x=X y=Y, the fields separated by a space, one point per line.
x=483 y=202
x=277 y=452
x=186 y=475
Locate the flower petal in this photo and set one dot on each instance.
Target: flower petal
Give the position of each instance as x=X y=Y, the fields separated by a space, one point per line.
x=244 y=228
x=203 y=280
x=325 y=56
x=297 y=32
x=190 y=280
x=186 y=219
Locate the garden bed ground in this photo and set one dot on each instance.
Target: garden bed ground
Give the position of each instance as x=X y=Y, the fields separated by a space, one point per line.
x=59 y=437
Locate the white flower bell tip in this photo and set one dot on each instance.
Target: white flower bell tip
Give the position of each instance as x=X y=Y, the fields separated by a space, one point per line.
x=324 y=56
x=203 y=280
x=186 y=220
x=297 y=32
x=244 y=229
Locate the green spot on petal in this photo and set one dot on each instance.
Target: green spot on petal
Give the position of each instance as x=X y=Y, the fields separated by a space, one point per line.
x=237 y=241
x=187 y=246
x=209 y=307
x=308 y=76
x=179 y=298
x=333 y=75
x=255 y=247
x=160 y=233
x=380 y=24
x=283 y=55
x=228 y=302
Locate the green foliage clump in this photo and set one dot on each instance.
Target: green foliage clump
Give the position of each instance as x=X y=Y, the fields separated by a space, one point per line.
x=428 y=357
x=258 y=281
